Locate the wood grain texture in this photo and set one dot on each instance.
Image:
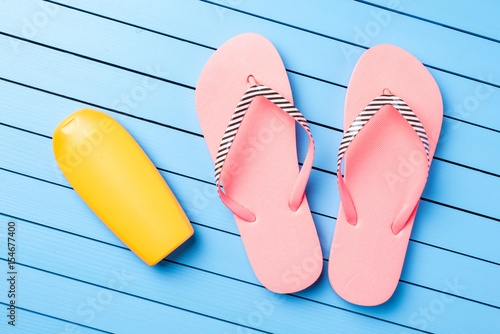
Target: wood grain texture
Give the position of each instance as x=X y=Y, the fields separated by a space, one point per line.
x=139 y=62
x=178 y=288
x=156 y=55
x=188 y=160
x=472 y=17
x=184 y=287
x=109 y=309
x=172 y=105
x=360 y=24
x=54 y=198
x=32 y=322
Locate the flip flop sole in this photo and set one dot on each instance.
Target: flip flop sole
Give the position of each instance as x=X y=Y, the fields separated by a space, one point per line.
x=261 y=168
x=385 y=162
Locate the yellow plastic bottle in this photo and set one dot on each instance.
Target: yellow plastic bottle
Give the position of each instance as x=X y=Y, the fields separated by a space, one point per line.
x=116 y=179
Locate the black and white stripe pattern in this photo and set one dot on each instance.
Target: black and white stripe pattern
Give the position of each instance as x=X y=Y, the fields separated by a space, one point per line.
x=239 y=113
x=370 y=111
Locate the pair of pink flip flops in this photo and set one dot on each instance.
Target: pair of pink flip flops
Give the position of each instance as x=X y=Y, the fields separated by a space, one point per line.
x=245 y=108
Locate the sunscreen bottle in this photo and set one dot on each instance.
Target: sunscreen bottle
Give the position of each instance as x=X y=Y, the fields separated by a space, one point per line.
x=113 y=175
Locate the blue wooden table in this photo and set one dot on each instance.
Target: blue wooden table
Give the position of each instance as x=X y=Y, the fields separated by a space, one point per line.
x=139 y=61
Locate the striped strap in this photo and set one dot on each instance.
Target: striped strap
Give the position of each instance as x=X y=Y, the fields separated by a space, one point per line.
x=230 y=134
x=356 y=126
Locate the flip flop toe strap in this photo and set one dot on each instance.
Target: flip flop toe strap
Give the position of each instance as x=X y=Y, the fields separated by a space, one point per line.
x=230 y=134
x=356 y=126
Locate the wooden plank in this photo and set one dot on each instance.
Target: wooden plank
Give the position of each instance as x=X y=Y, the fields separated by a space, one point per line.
x=106 y=309
x=424 y=265
x=193 y=160
x=479 y=18
x=181 y=61
x=178 y=285
x=187 y=286
x=46 y=201
x=152 y=104
x=441 y=48
x=202 y=204
x=183 y=188
x=166 y=101
x=436 y=271
x=360 y=24
x=31 y=322
x=201 y=197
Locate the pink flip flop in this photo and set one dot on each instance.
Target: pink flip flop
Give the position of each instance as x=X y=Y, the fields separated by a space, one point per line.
x=394 y=111
x=245 y=83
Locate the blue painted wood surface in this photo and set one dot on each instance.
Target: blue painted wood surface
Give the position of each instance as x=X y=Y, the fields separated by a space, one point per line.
x=139 y=61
